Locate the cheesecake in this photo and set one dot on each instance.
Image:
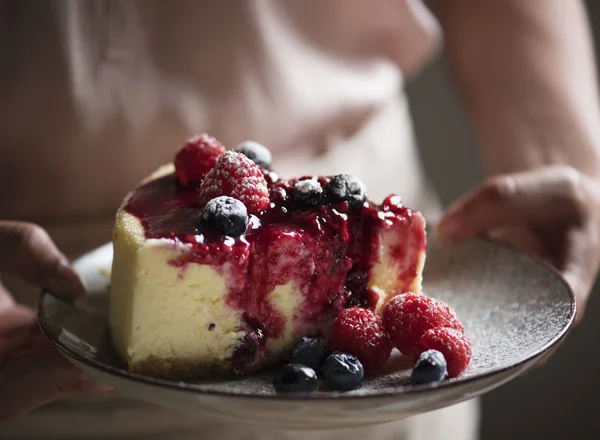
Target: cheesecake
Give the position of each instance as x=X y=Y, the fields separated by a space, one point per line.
x=220 y=266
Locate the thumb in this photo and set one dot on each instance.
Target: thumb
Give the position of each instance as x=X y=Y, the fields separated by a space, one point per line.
x=550 y=195
x=28 y=252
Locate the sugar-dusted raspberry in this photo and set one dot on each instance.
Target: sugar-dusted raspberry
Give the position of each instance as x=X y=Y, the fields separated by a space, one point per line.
x=408 y=316
x=360 y=332
x=196 y=158
x=453 y=344
x=236 y=176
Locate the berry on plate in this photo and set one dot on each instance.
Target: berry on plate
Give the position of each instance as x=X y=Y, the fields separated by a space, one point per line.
x=295 y=378
x=453 y=344
x=360 y=332
x=308 y=192
x=196 y=158
x=343 y=372
x=311 y=352
x=346 y=188
x=226 y=214
x=430 y=368
x=256 y=152
x=236 y=176
x=408 y=316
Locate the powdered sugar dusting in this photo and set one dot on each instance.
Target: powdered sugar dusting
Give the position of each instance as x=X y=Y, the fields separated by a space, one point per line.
x=513 y=310
x=308 y=186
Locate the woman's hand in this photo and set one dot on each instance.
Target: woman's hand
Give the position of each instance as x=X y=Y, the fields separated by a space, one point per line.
x=32 y=373
x=551 y=212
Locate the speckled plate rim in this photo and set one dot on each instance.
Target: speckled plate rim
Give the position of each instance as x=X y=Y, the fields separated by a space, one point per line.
x=322 y=396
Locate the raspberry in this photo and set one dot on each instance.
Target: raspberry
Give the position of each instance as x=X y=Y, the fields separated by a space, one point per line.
x=453 y=344
x=360 y=332
x=236 y=176
x=408 y=316
x=196 y=158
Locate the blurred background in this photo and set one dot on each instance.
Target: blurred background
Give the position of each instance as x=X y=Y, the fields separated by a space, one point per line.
x=559 y=401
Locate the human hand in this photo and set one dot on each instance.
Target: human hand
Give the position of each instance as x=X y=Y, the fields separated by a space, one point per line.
x=32 y=373
x=551 y=212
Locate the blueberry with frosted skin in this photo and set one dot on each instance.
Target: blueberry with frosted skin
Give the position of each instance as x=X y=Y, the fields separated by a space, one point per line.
x=346 y=188
x=308 y=192
x=430 y=368
x=226 y=214
x=256 y=152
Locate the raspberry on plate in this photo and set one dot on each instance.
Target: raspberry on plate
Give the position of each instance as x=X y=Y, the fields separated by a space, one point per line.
x=360 y=332
x=196 y=158
x=236 y=176
x=408 y=316
x=453 y=344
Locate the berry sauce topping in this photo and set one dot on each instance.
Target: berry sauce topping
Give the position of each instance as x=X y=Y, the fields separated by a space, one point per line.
x=327 y=249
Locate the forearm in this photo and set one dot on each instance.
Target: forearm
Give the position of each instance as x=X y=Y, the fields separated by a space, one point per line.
x=526 y=71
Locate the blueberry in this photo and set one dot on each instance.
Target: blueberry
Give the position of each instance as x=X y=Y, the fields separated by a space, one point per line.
x=256 y=152
x=343 y=372
x=226 y=214
x=311 y=352
x=295 y=378
x=430 y=368
x=346 y=188
x=308 y=192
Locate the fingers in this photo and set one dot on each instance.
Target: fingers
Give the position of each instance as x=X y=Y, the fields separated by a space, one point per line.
x=27 y=251
x=37 y=376
x=6 y=300
x=16 y=326
x=552 y=195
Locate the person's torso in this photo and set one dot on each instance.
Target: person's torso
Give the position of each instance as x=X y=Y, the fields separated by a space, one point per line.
x=95 y=95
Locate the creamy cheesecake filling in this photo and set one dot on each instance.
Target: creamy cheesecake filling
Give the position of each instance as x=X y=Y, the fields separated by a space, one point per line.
x=186 y=299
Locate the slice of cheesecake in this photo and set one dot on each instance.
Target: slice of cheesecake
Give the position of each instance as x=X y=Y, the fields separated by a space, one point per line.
x=225 y=272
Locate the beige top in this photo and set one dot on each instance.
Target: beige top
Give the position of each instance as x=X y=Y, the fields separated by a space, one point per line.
x=94 y=95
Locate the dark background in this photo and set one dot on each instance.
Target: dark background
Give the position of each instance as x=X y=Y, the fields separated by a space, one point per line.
x=561 y=400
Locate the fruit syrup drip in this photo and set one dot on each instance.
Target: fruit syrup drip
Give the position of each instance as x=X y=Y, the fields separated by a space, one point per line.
x=327 y=249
